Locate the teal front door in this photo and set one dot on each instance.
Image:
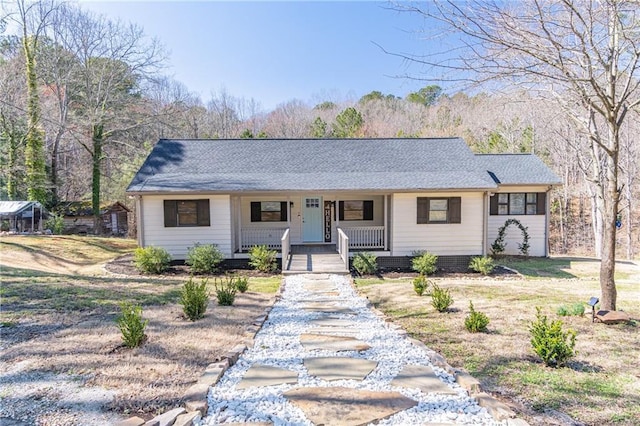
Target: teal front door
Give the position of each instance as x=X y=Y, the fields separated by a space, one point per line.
x=312 y=220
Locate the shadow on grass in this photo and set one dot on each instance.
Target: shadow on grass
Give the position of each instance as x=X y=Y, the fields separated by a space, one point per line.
x=43 y=253
x=539 y=267
x=63 y=293
x=8 y=271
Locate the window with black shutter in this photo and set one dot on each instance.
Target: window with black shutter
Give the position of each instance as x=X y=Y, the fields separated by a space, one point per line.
x=439 y=210
x=268 y=211
x=185 y=213
x=355 y=210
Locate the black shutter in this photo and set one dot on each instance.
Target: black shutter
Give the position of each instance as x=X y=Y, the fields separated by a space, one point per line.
x=367 y=210
x=423 y=210
x=256 y=215
x=455 y=207
x=170 y=213
x=493 y=205
x=341 y=210
x=283 y=211
x=541 y=201
x=203 y=213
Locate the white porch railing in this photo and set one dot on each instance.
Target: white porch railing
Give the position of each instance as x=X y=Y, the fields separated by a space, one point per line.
x=343 y=247
x=365 y=237
x=286 y=247
x=270 y=237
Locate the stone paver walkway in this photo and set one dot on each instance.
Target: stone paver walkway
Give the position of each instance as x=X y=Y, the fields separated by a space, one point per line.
x=324 y=357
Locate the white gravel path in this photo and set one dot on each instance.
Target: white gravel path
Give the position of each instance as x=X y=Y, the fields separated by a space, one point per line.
x=278 y=344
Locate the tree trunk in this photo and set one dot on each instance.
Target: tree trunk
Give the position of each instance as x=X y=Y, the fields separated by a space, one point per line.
x=96 y=157
x=608 y=254
x=34 y=151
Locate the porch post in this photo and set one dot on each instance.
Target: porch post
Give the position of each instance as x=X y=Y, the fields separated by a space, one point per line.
x=385 y=224
x=239 y=230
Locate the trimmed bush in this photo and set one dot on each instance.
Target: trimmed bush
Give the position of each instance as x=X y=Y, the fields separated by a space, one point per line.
x=204 y=259
x=424 y=263
x=420 y=284
x=483 y=265
x=575 y=309
x=194 y=299
x=263 y=259
x=475 y=321
x=440 y=298
x=131 y=324
x=225 y=291
x=365 y=263
x=55 y=223
x=242 y=284
x=151 y=260
x=550 y=342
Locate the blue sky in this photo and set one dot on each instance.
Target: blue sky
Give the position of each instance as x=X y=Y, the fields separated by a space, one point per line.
x=278 y=51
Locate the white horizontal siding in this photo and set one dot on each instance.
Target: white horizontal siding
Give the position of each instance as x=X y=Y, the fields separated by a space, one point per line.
x=450 y=239
x=535 y=228
x=177 y=240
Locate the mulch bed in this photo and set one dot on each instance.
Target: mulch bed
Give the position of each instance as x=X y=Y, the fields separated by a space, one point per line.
x=123 y=265
x=498 y=273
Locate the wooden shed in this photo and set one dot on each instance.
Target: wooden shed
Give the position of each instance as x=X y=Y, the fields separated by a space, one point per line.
x=78 y=218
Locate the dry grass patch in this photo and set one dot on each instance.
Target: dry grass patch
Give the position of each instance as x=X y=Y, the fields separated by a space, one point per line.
x=601 y=385
x=61 y=326
x=150 y=378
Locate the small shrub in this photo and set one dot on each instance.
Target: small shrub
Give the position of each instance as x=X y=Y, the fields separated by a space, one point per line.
x=420 y=284
x=575 y=309
x=424 y=263
x=151 y=260
x=483 y=265
x=550 y=342
x=131 y=324
x=242 y=284
x=365 y=263
x=475 y=321
x=440 y=298
x=263 y=259
x=204 y=259
x=225 y=291
x=55 y=223
x=194 y=299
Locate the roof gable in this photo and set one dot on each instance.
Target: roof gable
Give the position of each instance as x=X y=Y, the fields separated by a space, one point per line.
x=518 y=169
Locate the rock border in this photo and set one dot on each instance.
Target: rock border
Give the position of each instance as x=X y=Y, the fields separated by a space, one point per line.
x=195 y=403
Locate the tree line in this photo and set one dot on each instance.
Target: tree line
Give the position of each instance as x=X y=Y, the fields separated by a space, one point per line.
x=83 y=99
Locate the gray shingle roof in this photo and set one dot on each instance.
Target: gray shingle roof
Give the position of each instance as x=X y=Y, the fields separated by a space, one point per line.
x=518 y=169
x=232 y=165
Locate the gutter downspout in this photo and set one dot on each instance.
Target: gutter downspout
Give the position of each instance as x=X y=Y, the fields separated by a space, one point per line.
x=485 y=222
x=139 y=222
x=547 y=213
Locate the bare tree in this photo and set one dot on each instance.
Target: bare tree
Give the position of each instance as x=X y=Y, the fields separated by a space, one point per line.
x=12 y=123
x=32 y=18
x=112 y=59
x=583 y=54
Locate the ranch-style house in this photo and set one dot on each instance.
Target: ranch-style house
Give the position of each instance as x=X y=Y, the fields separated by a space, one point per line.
x=391 y=196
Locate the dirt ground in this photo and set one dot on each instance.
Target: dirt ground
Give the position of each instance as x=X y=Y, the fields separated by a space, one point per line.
x=62 y=361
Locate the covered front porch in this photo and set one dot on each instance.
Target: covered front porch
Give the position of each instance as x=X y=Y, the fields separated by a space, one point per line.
x=337 y=223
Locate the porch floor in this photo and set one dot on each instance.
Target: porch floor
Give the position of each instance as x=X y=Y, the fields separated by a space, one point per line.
x=314 y=258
